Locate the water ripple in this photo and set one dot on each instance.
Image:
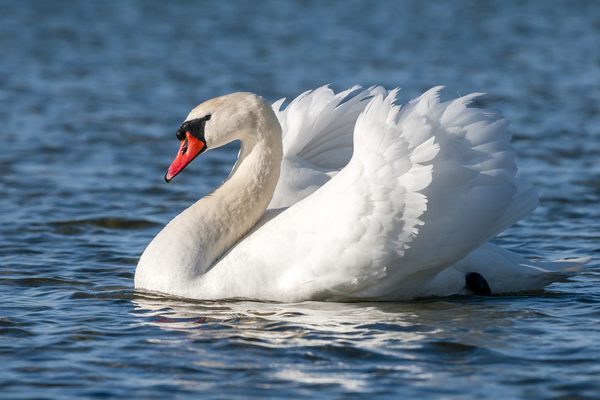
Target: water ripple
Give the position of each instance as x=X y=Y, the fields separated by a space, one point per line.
x=91 y=95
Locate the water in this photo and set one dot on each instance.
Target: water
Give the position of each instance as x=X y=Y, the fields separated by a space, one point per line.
x=91 y=94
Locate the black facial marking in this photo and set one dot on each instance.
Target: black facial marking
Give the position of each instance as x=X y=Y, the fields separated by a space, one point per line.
x=184 y=149
x=477 y=284
x=195 y=127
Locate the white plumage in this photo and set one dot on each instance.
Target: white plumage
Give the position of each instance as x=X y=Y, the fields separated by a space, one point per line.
x=367 y=200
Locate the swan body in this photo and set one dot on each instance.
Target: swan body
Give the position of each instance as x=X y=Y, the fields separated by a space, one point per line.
x=348 y=197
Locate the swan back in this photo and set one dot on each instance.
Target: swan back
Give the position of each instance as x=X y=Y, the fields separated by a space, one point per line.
x=426 y=185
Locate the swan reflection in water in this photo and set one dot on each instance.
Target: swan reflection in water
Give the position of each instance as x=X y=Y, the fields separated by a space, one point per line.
x=374 y=324
x=410 y=338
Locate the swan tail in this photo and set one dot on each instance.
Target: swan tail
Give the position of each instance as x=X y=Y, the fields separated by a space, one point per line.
x=504 y=271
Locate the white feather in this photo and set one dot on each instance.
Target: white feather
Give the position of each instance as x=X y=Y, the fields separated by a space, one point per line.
x=373 y=201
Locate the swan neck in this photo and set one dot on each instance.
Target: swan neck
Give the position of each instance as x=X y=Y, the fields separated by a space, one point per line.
x=237 y=205
x=190 y=245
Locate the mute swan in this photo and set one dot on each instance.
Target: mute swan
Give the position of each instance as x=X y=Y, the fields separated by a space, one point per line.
x=360 y=200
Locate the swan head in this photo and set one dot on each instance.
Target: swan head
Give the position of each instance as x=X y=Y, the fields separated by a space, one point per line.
x=217 y=122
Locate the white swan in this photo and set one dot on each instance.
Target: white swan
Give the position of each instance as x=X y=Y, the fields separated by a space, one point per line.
x=364 y=201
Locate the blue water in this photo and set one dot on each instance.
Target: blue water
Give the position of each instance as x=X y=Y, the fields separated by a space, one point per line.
x=91 y=94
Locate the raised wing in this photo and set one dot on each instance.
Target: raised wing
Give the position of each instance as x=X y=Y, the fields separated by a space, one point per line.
x=425 y=186
x=472 y=195
x=317 y=139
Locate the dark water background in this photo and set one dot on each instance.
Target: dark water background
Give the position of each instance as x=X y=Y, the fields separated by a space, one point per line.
x=91 y=93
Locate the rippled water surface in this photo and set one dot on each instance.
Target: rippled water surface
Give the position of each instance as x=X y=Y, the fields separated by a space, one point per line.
x=91 y=94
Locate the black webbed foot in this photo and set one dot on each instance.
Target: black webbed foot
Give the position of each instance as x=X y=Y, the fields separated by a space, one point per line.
x=477 y=284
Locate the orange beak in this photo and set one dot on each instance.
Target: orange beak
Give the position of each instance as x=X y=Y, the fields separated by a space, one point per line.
x=190 y=148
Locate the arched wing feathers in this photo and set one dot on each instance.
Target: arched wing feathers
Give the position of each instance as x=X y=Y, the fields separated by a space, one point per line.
x=427 y=183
